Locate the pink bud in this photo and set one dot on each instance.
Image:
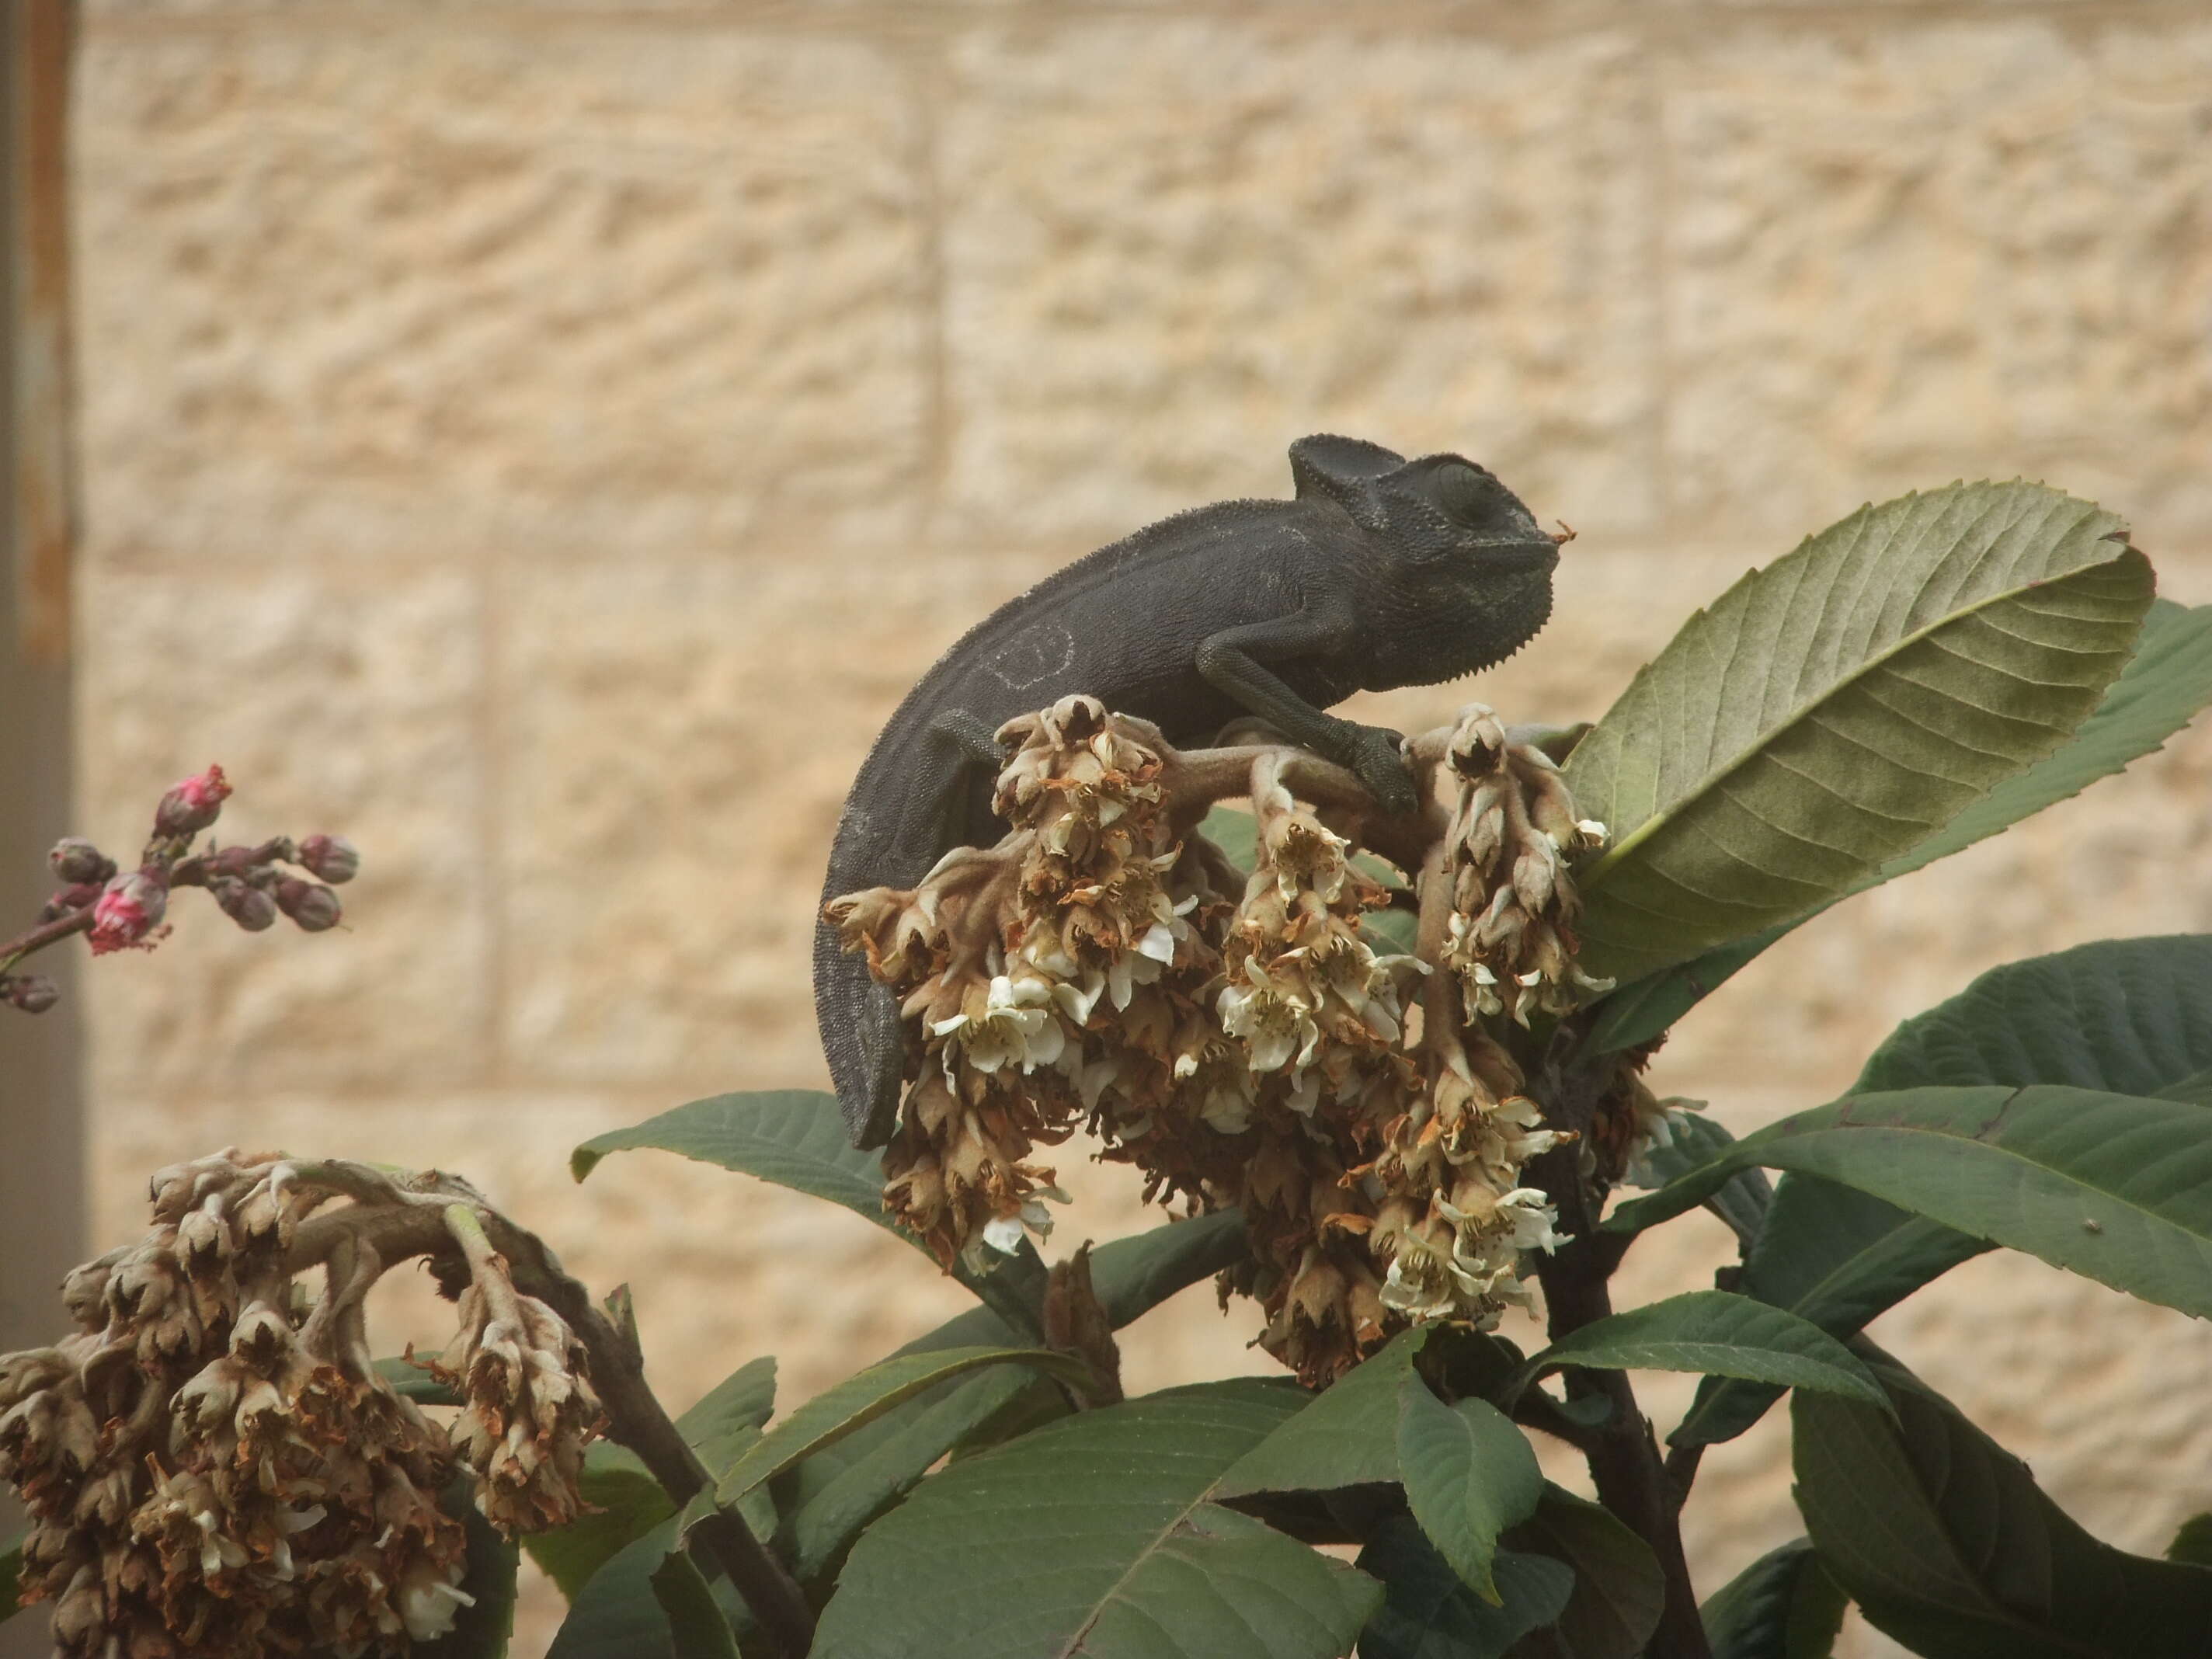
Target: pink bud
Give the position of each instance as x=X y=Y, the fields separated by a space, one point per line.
x=333 y=858
x=76 y=859
x=193 y=805
x=33 y=992
x=249 y=907
x=131 y=908
x=313 y=907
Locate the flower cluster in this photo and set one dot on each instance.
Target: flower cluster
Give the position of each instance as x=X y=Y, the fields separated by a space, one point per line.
x=212 y=1462
x=1241 y=1039
x=120 y=910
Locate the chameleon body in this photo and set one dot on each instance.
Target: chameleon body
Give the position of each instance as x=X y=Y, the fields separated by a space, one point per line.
x=1380 y=572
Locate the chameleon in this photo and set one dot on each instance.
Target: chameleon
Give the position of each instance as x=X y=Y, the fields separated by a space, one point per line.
x=1379 y=572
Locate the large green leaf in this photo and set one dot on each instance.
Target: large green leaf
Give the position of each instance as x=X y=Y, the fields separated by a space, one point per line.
x=1098 y=1535
x=729 y=1417
x=2166 y=682
x=1468 y=1474
x=1348 y=1437
x=865 y=1395
x=842 y=1486
x=2127 y=1016
x=2117 y=1187
x=2192 y=1543
x=792 y=1136
x=1429 y=1612
x=1946 y=1543
x=1782 y=1606
x=1835 y=710
x=1619 y=1591
x=1718 y=1333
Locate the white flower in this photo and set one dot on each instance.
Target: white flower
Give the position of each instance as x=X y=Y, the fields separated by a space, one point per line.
x=1016 y=1027
x=1276 y=1022
x=1534 y=1220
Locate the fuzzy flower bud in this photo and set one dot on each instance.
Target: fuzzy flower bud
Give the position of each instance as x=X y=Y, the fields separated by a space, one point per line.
x=192 y=805
x=33 y=992
x=132 y=907
x=313 y=907
x=77 y=860
x=250 y=907
x=332 y=859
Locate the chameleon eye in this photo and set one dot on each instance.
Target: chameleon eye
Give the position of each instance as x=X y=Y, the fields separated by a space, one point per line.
x=1465 y=494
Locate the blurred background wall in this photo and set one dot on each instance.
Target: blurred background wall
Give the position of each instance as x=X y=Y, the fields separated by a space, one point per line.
x=542 y=443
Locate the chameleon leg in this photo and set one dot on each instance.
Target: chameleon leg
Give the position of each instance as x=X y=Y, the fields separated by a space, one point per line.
x=1229 y=662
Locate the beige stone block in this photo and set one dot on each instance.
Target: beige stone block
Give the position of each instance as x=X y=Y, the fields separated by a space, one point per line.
x=425 y=287
x=345 y=705
x=1170 y=248
x=678 y=740
x=1902 y=255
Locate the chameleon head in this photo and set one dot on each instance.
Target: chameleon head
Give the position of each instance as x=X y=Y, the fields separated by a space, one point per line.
x=1465 y=568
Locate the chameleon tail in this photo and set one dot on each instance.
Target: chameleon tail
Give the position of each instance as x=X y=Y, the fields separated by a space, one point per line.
x=862 y=1038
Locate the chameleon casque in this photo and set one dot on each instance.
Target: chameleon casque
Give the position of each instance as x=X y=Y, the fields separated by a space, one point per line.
x=1382 y=572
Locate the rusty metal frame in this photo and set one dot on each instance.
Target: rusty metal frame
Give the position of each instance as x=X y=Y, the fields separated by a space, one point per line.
x=43 y=499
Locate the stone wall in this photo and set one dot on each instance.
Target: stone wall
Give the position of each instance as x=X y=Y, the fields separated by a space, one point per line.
x=543 y=441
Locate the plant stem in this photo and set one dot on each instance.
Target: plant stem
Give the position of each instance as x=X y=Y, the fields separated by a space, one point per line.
x=1622 y=1453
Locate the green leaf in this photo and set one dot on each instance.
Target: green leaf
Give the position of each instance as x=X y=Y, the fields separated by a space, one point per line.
x=2193 y=1543
x=482 y=1625
x=1469 y=1474
x=2116 y=1188
x=1694 y=1140
x=1236 y=832
x=1347 y=1437
x=728 y=1417
x=1782 y=1606
x=841 y=1487
x=695 y=1623
x=1619 y=1591
x=1946 y=1543
x=1098 y=1535
x=1429 y=1612
x=1833 y=1256
x=2165 y=683
x=616 y=1614
x=792 y=1136
x=1835 y=710
x=1132 y=1276
x=11 y=1580
x=626 y=1504
x=2125 y=1015
x=1715 y=1333
x=865 y=1395
x=2128 y=1015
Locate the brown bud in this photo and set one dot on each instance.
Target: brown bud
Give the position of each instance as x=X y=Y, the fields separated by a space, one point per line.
x=192 y=805
x=33 y=992
x=331 y=858
x=249 y=906
x=77 y=861
x=313 y=907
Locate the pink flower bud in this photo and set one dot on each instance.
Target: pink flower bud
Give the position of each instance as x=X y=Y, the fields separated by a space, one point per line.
x=33 y=992
x=76 y=859
x=313 y=907
x=333 y=858
x=131 y=908
x=192 y=805
x=251 y=908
